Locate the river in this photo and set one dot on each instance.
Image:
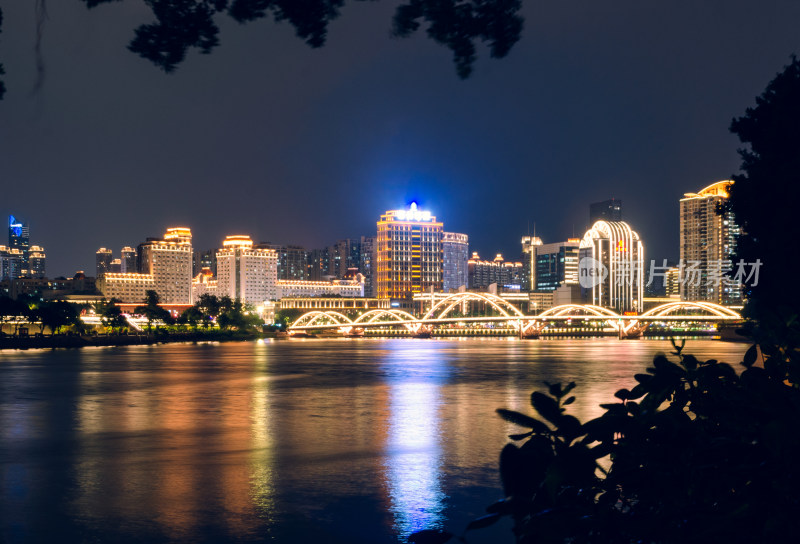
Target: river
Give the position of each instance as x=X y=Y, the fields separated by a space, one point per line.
x=329 y=441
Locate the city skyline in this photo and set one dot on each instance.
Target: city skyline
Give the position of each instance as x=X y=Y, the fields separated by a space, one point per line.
x=269 y=137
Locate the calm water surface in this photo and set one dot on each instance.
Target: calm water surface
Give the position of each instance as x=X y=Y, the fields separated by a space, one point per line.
x=279 y=441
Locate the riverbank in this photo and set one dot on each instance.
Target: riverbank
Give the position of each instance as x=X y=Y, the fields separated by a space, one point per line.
x=158 y=337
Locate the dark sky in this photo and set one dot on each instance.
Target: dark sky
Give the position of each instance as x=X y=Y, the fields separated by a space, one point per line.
x=629 y=99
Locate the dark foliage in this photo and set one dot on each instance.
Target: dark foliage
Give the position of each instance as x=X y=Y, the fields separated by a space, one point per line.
x=456 y=24
x=764 y=196
x=693 y=453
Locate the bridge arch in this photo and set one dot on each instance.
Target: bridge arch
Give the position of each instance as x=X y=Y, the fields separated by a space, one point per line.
x=313 y=318
x=589 y=309
x=671 y=308
x=373 y=316
x=444 y=306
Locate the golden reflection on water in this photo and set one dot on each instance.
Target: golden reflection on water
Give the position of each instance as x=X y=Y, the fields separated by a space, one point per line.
x=177 y=440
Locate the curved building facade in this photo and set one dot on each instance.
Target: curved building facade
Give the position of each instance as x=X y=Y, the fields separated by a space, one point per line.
x=611 y=266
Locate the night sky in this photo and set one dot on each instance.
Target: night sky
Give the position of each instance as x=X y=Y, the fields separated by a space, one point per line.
x=265 y=136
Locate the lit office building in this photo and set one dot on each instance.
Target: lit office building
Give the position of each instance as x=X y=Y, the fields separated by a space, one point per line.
x=292 y=262
x=344 y=256
x=529 y=245
x=455 y=251
x=246 y=273
x=337 y=288
x=610 y=268
x=128 y=260
x=37 y=263
x=169 y=261
x=128 y=288
x=409 y=253
x=103 y=259
x=556 y=265
x=505 y=274
x=708 y=244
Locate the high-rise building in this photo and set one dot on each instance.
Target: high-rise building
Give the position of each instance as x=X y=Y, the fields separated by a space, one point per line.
x=708 y=243
x=610 y=269
x=128 y=260
x=103 y=259
x=409 y=253
x=37 y=263
x=116 y=266
x=19 y=237
x=505 y=274
x=318 y=265
x=556 y=265
x=529 y=245
x=292 y=263
x=367 y=264
x=10 y=263
x=246 y=273
x=169 y=261
x=455 y=251
x=607 y=210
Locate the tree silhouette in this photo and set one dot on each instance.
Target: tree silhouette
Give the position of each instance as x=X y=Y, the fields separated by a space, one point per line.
x=456 y=24
x=764 y=196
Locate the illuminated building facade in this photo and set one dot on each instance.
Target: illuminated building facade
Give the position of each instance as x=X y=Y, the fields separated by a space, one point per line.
x=204 y=284
x=128 y=288
x=505 y=274
x=610 y=268
x=708 y=243
x=529 y=245
x=341 y=288
x=169 y=261
x=10 y=263
x=318 y=265
x=556 y=264
x=455 y=251
x=245 y=272
x=341 y=304
x=19 y=237
x=409 y=253
x=37 y=263
x=102 y=261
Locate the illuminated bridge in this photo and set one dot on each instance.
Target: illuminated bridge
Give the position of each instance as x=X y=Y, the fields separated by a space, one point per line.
x=449 y=312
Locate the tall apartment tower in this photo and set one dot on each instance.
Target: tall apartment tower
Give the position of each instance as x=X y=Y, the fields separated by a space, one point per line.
x=708 y=243
x=529 y=245
x=102 y=262
x=246 y=273
x=611 y=266
x=409 y=253
x=169 y=262
x=37 y=263
x=455 y=251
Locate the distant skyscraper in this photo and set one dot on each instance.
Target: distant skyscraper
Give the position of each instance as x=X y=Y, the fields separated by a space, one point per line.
x=607 y=210
x=19 y=237
x=610 y=269
x=557 y=265
x=318 y=263
x=103 y=259
x=708 y=243
x=116 y=266
x=455 y=250
x=169 y=261
x=37 y=263
x=409 y=250
x=10 y=263
x=246 y=273
x=128 y=260
x=367 y=264
x=292 y=263
x=529 y=245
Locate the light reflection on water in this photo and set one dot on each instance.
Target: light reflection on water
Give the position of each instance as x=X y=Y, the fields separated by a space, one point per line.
x=310 y=441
